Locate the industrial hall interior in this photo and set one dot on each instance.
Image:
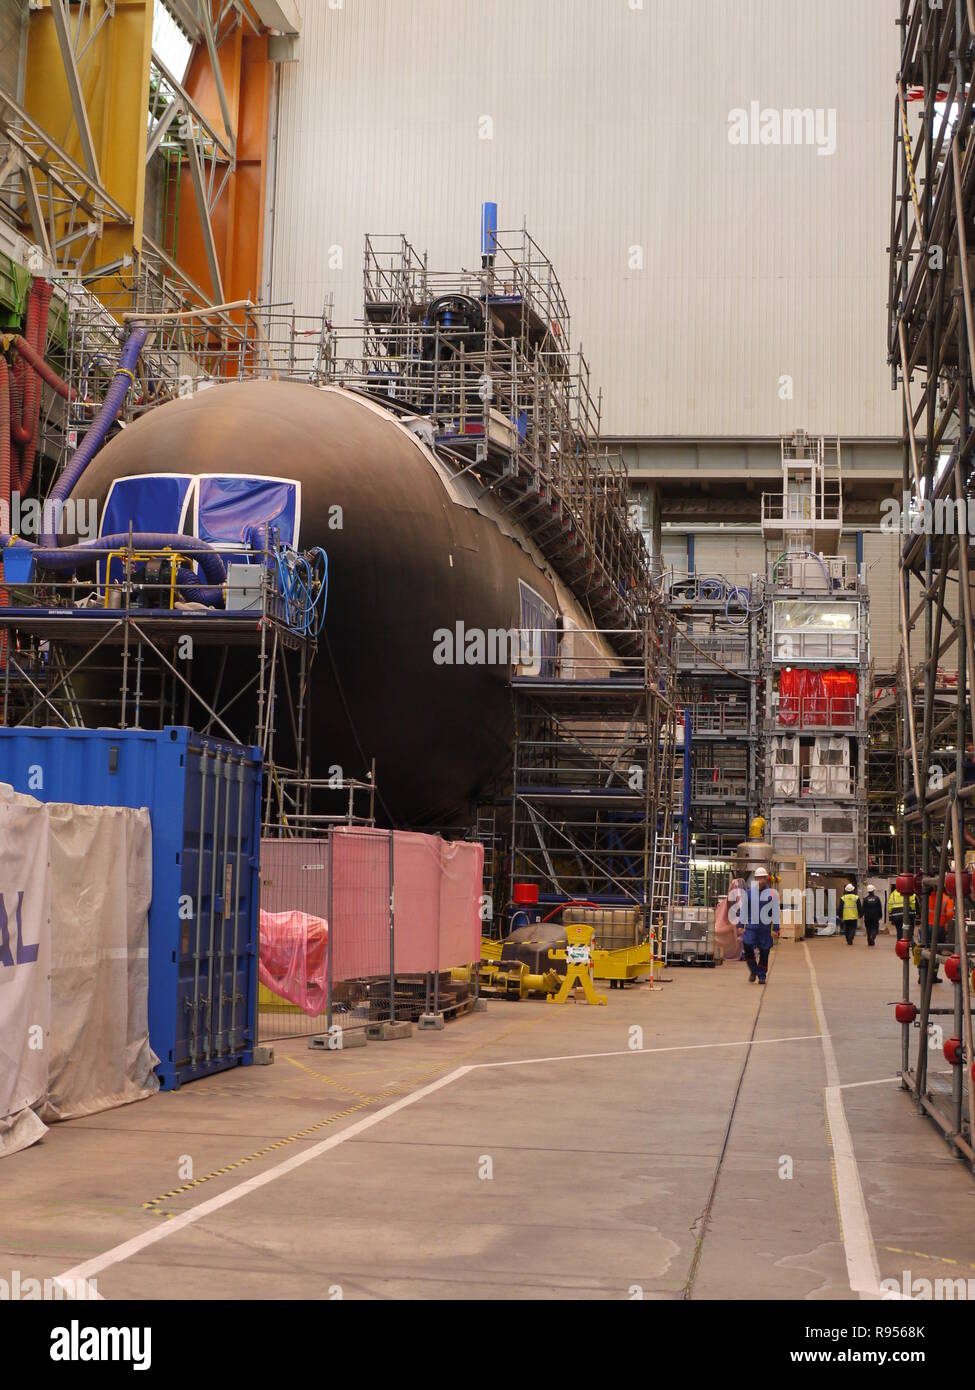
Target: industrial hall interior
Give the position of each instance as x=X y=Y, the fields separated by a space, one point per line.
x=487 y=659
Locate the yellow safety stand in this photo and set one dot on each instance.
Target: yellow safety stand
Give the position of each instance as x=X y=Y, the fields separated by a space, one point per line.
x=578 y=960
x=624 y=964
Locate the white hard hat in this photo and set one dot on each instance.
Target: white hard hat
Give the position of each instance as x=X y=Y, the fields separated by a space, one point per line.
x=849 y=888
x=870 y=888
x=761 y=872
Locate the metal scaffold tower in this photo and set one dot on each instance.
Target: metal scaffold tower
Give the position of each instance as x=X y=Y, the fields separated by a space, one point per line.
x=131 y=657
x=590 y=797
x=717 y=621
x=884 y=780
x=480 y=365
x=931 y=345
x=815 y=669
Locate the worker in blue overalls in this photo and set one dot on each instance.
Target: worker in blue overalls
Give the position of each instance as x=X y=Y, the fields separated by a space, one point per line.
x=760 y=918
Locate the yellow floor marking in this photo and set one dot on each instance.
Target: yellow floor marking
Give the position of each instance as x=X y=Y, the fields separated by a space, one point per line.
x=155 y=1205
x=327 y=1080
x=935 y=1259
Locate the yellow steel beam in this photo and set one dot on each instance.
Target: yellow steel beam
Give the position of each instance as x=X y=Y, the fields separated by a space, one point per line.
x=113 y=53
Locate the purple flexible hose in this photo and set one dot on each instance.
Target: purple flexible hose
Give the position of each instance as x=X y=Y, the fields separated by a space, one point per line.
x=54 y=557
x=103 y=421
x=87 y=552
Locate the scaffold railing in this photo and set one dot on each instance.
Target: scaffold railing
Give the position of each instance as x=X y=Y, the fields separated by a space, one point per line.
x=931 y=349
x=479 y=363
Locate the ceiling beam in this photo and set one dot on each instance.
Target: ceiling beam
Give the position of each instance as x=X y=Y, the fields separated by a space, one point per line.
x=278 y=14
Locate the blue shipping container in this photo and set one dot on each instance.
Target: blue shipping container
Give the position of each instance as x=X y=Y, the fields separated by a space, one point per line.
x=204 y=801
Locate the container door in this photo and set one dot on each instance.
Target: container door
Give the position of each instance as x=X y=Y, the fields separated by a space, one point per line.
x=217 y=977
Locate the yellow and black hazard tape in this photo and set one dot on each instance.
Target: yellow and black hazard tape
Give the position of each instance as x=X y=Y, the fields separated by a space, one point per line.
x=155 y=1206
x=329 y=1080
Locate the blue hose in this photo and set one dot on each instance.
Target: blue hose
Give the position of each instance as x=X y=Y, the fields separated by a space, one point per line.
x=303 y=582
x=68 y=557
x=54 y=557
x=102 y=423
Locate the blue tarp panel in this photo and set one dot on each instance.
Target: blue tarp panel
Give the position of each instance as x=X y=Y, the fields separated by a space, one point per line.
x=151 y=502
x=154 y=502
x=235 y=510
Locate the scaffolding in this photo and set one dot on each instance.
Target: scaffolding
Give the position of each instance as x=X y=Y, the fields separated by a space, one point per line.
x=717 y=622
x=590 y=791
x=479 y=364
x=131 y=655
x=815 y=669
x=190 y=347
x=884 y=780
x=931 y=347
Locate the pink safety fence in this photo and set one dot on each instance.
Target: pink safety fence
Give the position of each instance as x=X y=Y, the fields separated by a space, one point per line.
x=436 y=891
x=380 y=903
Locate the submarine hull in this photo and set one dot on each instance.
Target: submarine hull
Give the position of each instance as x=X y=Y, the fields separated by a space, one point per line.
x=408 y=562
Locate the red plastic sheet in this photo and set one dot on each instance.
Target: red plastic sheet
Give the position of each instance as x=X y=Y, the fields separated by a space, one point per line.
x=841 y=694
x=799 y=690
x=817 y=698
x=293 y=960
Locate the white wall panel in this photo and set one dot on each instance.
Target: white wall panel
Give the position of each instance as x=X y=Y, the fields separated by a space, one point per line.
x=880 y=556
x=737 y=557
x=610 y=131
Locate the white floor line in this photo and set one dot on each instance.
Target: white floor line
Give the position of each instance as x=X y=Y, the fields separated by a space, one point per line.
x=881 y=1081
x=862 y=1267
x=128 y=1248
x=643 y=1051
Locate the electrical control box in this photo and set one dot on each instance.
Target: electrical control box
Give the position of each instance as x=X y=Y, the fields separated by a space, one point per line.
x=243 y=587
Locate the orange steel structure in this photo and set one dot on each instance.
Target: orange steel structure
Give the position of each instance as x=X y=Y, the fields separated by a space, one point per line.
x=97 y=108
x=238 y=218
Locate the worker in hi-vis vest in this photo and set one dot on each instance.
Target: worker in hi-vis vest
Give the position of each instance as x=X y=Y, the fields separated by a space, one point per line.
x=895 y=911
x=851 y=909
x=902 y=912
x=944 y=929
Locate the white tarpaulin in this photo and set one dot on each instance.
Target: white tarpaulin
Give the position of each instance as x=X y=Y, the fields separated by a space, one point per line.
x=830 y=773
x=93 y=876
x=25 y=996
x=101 y=883
x=785 y=765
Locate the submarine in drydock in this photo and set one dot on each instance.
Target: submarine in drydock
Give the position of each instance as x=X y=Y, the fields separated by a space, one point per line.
x=417 y=557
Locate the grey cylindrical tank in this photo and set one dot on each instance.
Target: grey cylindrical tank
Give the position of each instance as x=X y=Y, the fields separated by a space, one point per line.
x=408 y=560
x=751 y=854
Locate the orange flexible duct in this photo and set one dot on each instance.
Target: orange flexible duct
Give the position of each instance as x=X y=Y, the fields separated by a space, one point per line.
x=34 y=353
x=20 y=421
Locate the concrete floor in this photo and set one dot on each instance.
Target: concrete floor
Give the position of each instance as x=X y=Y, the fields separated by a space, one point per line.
x=614 y=1172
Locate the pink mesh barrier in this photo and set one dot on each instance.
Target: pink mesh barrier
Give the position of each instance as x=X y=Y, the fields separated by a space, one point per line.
x=437 y=889
x=417 y=875
x=360 y=903
x=462 y=872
